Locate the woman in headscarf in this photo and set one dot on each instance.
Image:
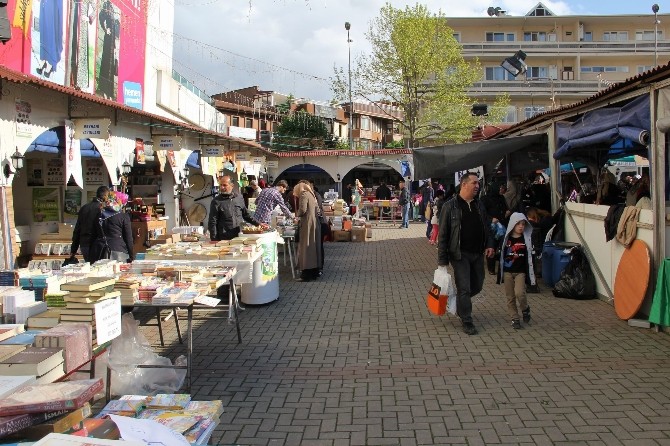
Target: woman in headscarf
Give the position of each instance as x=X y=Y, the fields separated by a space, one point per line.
x=113 y=232
x=309 y=233
x=513 y=197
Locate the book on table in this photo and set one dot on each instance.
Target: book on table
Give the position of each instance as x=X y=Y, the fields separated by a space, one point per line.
x=14 y=423
x=52 y=375
x=54 y=439
x=59 y=424
x=10 y=384
x=25 y=338
x=8 y=332
x=169 y=401
x=68 y=395
x=90 y=283
x=95 y=293
x=46 y=319
x=9 y=350
x=32 y=361
x=96 y=428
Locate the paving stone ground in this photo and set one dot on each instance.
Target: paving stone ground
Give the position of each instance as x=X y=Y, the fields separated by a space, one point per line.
x=356 y=359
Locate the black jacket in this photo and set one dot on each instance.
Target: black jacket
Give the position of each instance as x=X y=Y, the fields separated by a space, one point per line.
x=449 y=240
x=84 y=229
x=226 y=214
x=118 y=232
x=383 y=193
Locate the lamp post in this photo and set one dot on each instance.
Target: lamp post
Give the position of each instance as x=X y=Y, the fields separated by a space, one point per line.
x=654 y=9
x=347 y=26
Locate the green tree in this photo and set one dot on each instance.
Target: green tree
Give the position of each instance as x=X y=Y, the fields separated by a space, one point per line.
x=417 y=64
x=301 y=131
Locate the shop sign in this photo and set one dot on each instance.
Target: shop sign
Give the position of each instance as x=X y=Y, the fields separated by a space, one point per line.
x=72 y=156
x=272 y=164
x=212 y=151
x=91 y=128
x=22 y=118
x=46 y=204
x=140 y=158
x=242 y=156
x=478 y=170
x=258 y=160
x=167 y=143
x=108 y=319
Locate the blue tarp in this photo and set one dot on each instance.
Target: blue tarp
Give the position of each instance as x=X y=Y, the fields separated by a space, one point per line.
x=626 y=129
x=53 y=141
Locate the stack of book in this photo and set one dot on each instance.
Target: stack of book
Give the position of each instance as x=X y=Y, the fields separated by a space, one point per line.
x=46 y=319
x=33 y=404
x=24 y=311
x=86 y=295
x=15 y=297
x=10 y=330
x=74 y=339
x=44 y=363
x=55 y=299
x=128 y=288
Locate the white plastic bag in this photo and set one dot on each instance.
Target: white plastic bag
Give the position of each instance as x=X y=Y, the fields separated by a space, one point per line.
x=443 y=279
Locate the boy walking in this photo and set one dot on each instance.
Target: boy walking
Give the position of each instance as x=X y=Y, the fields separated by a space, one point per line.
x=516 y=261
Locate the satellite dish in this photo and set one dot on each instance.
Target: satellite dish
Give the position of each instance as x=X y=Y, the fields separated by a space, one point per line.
x=491 y=11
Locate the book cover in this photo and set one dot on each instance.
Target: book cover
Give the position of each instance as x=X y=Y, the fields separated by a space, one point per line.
x=131 y=407
x=20 y=328
x=212 y=409
x=74 y=339
x=6 y=333
x=90 y=283
x=169 y=401
x=10 y=384
x=66 y=395
x=15 y=423
x=176 y=421
x=25 y=338
x=59 y=424
x=201 y=431
x=86 y=311
x=52 y=375
x=77 y=317
x=8 y=350
x=95 y=427
x=46 y=319
x=54 y=439
x=31 y=361
x=95 y=293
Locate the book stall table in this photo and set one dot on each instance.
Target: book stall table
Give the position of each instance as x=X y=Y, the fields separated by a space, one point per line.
x=386 y=210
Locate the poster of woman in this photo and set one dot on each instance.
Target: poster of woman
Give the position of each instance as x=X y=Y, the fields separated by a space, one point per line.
x=107 y=50
x=83 y=25
x=48 y=40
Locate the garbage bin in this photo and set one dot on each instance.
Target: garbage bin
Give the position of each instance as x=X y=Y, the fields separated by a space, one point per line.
x=264 y=286
x=561 y=258
x=547 y=263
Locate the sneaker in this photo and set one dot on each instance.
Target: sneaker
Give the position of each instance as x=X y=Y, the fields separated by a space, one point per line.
x=532 y=289
x=469 y=328
x=516 y=324
x=526 y=314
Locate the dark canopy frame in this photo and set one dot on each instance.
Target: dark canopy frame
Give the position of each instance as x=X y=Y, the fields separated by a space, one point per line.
x=530 y=153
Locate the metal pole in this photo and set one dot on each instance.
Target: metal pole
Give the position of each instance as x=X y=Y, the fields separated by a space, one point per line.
x=347 y=26
x=655 y=9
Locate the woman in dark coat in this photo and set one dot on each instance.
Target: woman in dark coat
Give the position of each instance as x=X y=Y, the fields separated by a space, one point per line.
x=113 y=229
x=309 y=236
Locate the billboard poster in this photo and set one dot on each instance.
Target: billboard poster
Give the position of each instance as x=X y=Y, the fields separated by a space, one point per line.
x=46 y=204
x=97 y=46
x=72 y=204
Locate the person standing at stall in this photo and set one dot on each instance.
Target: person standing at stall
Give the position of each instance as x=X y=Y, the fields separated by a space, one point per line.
x=113 y=231
x=309 y=233
x=87 y=220
x=268 y=199
x=463 y=239
x=227 y=213
x=404 y=203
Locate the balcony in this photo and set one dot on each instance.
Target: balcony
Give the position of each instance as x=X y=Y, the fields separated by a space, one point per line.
x=529 y=87
x=392 y=137
x=557 y=49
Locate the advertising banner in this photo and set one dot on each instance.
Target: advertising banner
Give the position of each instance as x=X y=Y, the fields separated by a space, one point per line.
x=72 y=204
x=140 y=157
x=55 y=172
x=46 y=204
x=96 y=46
x=106 y=148
x=72 y=156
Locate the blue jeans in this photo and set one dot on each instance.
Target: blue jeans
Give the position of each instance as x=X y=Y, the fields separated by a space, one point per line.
x=469 y=280
x=405 y=215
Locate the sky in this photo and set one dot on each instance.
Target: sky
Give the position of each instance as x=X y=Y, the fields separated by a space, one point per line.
x=291 y=46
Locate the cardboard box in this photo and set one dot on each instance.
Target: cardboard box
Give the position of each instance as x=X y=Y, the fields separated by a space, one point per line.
x=341 y=236
x=358 y=234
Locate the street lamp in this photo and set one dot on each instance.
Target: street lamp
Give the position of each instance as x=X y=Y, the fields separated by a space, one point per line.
x=654 y=9
x=347 y=26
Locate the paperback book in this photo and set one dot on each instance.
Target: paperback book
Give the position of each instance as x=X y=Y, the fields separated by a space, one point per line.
x=66 y=395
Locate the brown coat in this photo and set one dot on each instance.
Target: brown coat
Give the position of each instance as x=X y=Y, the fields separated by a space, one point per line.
x=309 y=243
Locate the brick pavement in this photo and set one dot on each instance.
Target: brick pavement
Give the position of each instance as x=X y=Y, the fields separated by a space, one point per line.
x=356 y=359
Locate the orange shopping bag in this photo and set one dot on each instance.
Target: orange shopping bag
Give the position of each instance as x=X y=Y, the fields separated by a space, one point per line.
x=441 y=293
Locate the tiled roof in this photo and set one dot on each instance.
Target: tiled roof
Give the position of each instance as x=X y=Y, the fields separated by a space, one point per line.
x=343 y=153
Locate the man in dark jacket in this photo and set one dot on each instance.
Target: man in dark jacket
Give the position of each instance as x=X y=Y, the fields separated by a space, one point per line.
x=87 y=221
x=464 y=237
x=383 y=192
x=227 y=212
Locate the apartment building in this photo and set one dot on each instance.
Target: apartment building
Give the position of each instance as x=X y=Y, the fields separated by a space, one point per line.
x=375 y=125
x=568 y=58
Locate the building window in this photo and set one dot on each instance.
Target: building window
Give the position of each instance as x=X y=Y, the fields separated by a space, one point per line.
x=249 y=123
x=457 y=37
x=643 y=68
x=648 y=35
x=588 y=36
x=236 y=121
x=499 y=37
x=364 y=144
x=498 y=74
x=537 y=72
x=532 y=110
x=608 y=69
x=535 y=36
x=615 y=36
x=264 y=125
x=365 y=123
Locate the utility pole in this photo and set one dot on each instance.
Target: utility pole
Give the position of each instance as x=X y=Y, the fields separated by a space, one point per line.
x=347 y=26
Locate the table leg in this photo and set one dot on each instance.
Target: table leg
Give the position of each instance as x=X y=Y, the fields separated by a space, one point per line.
x=108 y=387
x=189 y=347
x=290 y=256
x=232 y=292
x=176 y=322
x=160 y=325
x=286 y=244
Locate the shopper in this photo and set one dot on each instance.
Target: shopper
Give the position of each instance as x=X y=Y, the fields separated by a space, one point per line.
x=309 y=233
x=268 y=199
x=113 y=233
x=227 y=212
x=463 y=238
x=516 y=261
x=87 y=220
x=496 y=208
x=383 y=192
x=437 y=206
x=403 y=202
